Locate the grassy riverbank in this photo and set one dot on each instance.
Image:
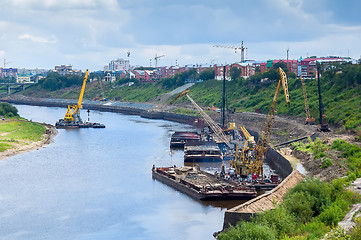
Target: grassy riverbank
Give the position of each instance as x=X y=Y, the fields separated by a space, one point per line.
x=15 y=132
x=18 y=134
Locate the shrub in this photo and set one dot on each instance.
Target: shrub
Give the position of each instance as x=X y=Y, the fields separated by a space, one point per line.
x=279 y=219
x=318 y=190
x=300 y=205
x=314 y=229
x=332 y=215
x=355 y=232
x=326 y=162
x=248 y=230
x=8 y=110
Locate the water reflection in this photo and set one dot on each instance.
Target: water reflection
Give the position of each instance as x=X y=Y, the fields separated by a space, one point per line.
x=97 y=184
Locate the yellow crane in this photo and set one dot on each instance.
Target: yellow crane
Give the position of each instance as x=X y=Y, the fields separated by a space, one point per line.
x=309 y=120
x=73 y=112
x=256 y=165
x=242 y=159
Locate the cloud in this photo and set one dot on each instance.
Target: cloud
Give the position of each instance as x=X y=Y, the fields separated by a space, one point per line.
x=36 y=39
x=63 y=4
x=90 y=33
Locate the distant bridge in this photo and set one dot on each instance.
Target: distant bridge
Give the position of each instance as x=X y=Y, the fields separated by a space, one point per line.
x=15 y=85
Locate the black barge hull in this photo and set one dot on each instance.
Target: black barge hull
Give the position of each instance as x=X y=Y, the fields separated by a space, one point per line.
x=199 y=193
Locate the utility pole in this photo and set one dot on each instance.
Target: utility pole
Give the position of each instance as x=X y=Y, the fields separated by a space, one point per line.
x=323 y=127
x=287 y=59
x=224 y=99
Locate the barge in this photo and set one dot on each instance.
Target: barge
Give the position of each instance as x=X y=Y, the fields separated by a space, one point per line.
x=77 y=124
x=202 y=151
x=178 y=139
x=200 y=184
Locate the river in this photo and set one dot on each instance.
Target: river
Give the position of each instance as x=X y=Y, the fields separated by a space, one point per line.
x=97 y=184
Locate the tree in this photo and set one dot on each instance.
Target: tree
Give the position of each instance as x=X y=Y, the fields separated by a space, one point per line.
x=207 y=74
x=52 y=82
x=6 y=109
x=282 y=65
x=235 y=72
x=271 y=74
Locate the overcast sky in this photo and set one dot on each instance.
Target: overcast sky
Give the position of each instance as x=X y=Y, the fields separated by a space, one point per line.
x=90 y=33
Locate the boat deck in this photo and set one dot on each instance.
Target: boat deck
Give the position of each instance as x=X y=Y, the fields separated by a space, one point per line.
x=201 y=185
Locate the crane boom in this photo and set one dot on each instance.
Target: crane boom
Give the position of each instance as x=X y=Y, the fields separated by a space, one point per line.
x=242 y=48
x=156 y=59
x=263 y=141
x=180 y=95
x=309 y=119
x=212 y=124
x=82 y=90
x=72 y=114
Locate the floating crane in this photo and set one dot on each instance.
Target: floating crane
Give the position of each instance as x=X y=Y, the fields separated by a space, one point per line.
x=256 y=165
x=156 y=59
x=212 y=124
x=73 y=112
x=72 y=117
x=309 y=120
x=242 y=48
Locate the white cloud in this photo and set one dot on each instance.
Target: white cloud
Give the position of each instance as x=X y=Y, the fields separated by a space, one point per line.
x=63 y=4
x=90 y=33
x=36 y=39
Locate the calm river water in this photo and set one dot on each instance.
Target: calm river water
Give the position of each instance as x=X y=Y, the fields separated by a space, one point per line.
x=97 y=184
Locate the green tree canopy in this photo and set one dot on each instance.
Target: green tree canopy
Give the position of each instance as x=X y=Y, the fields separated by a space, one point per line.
x=235 y=72
x=207 y=74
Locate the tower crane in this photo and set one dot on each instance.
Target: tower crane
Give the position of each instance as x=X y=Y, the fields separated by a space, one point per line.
x=242 y=48
x=156 y=59
x=212 y=124
x=256 y=165
x=309 y=120
x=73 y=112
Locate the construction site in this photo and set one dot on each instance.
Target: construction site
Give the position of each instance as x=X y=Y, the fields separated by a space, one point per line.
x=244 y=140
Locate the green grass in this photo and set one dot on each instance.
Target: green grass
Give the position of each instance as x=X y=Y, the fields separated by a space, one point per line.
x=21 y=130
x=309 y=210
x=341 y=95
x=5 y=146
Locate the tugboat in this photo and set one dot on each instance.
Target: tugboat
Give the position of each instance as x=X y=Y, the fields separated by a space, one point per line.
x=72 y=117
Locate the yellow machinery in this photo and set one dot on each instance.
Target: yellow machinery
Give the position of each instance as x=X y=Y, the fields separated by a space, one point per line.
x=73 y=112
x=309 y=120
x=242 y=159
x=263 y=140
x=250 y=159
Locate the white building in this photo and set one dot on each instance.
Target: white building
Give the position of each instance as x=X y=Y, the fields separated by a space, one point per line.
x=119 y=65
x=23 y=78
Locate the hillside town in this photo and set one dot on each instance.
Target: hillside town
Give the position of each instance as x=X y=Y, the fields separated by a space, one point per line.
x=121 y=68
